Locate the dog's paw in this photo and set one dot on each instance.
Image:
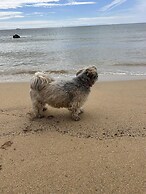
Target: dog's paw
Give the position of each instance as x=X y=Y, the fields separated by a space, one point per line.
x=44 y=109
x=81 y=111
x=30 y=115
x=76 y=117
x=50 y=116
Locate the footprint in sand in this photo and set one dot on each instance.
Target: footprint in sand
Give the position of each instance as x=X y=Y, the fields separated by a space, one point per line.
x=6 y=145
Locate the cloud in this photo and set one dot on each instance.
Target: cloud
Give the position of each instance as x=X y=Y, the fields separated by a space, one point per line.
x=71 y=3
x=40 y=13
x=13 y=4
x=138 y=11
x=68 y=22
x=102 y=20
x=112 y=5
x=140 y=6
x=133 y=14
x=30 y=23
x=10 y=15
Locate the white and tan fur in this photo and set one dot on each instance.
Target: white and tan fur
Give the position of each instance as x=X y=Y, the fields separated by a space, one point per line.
x=70 y=94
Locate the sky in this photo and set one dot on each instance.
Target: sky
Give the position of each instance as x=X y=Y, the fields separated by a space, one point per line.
x=60 y=13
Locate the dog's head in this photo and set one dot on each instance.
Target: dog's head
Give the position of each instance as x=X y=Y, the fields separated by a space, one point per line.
x=88 y=75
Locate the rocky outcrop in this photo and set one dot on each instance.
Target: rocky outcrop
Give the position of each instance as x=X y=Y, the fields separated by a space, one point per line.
x=16 y=36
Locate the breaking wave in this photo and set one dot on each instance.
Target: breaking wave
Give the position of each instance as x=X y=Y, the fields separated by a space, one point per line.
x=131 y=64
x=31 y=72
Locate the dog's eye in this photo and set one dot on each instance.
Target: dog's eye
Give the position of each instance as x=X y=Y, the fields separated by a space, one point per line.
x=87 y=72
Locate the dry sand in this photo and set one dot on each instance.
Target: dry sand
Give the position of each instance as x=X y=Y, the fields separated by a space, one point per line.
x=103 y=153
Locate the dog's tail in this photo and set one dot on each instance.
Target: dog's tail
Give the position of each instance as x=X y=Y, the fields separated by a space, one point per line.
x=39 y=81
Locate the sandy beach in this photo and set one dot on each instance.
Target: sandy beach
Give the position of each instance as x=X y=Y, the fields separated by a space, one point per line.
x=103 y=153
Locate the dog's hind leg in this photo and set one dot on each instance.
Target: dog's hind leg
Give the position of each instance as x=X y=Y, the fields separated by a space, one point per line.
x=37 y=105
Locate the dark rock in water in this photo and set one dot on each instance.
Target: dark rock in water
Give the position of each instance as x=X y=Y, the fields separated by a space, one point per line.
x=16 y=36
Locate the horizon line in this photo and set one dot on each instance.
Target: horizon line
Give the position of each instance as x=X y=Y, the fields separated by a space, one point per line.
x=73 y=26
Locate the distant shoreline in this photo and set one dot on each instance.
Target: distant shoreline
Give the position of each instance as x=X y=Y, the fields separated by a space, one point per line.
x=17 y=29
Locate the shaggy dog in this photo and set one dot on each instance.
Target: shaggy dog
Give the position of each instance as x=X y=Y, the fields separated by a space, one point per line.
x=70 y=94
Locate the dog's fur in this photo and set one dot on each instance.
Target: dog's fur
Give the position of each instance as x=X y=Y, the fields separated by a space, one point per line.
x=70 y=94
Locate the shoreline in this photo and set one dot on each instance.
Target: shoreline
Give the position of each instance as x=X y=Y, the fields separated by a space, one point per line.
x=103 y=153
x=103 y=78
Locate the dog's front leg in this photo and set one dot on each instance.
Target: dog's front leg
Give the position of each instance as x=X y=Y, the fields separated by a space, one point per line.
x=75 y=111
x=75 y=116
x=38 y=109
x=81 y=110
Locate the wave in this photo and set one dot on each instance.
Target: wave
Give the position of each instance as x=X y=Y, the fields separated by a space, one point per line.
x=58 y=71
x=130 y=64
x=123 y=73
x=25 y=74
x=31 y=72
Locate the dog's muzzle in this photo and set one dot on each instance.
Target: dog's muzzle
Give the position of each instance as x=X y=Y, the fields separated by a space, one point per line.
x=93 y=79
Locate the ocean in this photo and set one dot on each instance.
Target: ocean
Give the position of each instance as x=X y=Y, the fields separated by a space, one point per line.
x=118 y=52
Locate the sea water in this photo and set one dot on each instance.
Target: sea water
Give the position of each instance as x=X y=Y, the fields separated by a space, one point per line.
x=118 y=52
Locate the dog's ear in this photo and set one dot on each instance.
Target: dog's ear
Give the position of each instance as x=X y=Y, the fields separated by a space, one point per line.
x=80 y=71
x=93 y=67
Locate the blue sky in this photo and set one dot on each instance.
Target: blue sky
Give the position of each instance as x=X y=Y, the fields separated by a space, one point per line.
x=54 y=13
